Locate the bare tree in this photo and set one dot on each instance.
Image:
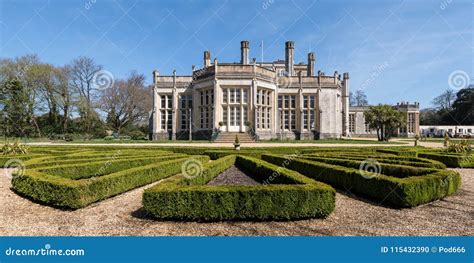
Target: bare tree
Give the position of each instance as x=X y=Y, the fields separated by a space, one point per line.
x=64 y=93
x=82 y=72
x=445 y=100
x=126 y=102
x=358 y=99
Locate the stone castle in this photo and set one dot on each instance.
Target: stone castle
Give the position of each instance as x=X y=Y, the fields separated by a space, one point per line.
x=266 y=100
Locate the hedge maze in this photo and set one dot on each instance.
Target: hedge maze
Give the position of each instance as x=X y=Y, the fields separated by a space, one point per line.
x=289 y=195
x=293 y=183
x=75 y=179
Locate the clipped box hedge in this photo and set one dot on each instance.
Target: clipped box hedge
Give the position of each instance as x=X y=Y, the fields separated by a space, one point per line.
x=284 y=195
x=94 y=167
x=450 y=160
x=397 y=160
x=64 y=192
x=398 y=192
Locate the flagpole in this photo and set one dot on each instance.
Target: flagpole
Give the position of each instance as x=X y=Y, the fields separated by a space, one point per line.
x=262 y=50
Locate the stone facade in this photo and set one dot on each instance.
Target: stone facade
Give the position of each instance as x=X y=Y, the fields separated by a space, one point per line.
x=270 y=100
x=358 y=127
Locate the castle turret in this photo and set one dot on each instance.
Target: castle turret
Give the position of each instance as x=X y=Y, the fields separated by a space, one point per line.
x=289 y=57
x=207 y=58
x=244 y=52
x=311 y=62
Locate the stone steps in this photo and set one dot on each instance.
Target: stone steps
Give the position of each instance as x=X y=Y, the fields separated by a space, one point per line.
x=229 y=137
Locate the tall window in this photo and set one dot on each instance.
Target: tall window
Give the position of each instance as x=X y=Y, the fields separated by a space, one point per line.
x=308 y=112
x=224 y=95
x=205 y=109
x=264 y=109
x=166 y=112
x=288 y=111
x=185 y=104
x=411 y=122
x=235 y=107
x=367 y=127
x=224 y=115
x=352 y=122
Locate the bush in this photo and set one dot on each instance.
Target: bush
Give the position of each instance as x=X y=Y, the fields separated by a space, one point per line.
x=397 y=192
x=459 y=147
x=450 y=160
x=288 y=196
x=15 y=148
x=68 y=193
x=400 y=171
x=109 y=138
x=137 y=135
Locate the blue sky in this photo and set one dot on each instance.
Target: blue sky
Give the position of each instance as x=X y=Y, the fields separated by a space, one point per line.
x=393 y=50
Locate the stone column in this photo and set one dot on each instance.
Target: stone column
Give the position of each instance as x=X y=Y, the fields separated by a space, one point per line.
x=156 y=108
x=299 y=110
x=217 y=92
x=174 y=108
x=345 y=104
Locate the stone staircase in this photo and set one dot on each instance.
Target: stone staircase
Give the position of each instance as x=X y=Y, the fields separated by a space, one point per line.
x=229 y=137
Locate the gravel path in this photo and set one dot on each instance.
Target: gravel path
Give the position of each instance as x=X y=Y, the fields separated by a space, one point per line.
x=122 y=215
x=233 y=176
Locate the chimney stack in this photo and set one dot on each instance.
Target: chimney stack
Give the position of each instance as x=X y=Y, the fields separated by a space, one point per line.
x=289 y=57
x=244 y=52
x=311 y=62
x=207 y=58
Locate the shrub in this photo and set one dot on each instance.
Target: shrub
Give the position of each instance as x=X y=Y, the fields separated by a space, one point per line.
x=459 y=147
x=68 y=193
x=137 y=135
x=397 y=192
x=289 y=196
x=68 y=137
x=14 y=148
x=450 y=160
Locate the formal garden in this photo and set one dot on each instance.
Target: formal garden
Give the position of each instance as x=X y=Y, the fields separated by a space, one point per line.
x=281 y=183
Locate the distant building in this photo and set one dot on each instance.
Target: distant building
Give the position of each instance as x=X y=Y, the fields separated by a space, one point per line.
x=359 y=128
x=269 y=100
x=452 y=130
